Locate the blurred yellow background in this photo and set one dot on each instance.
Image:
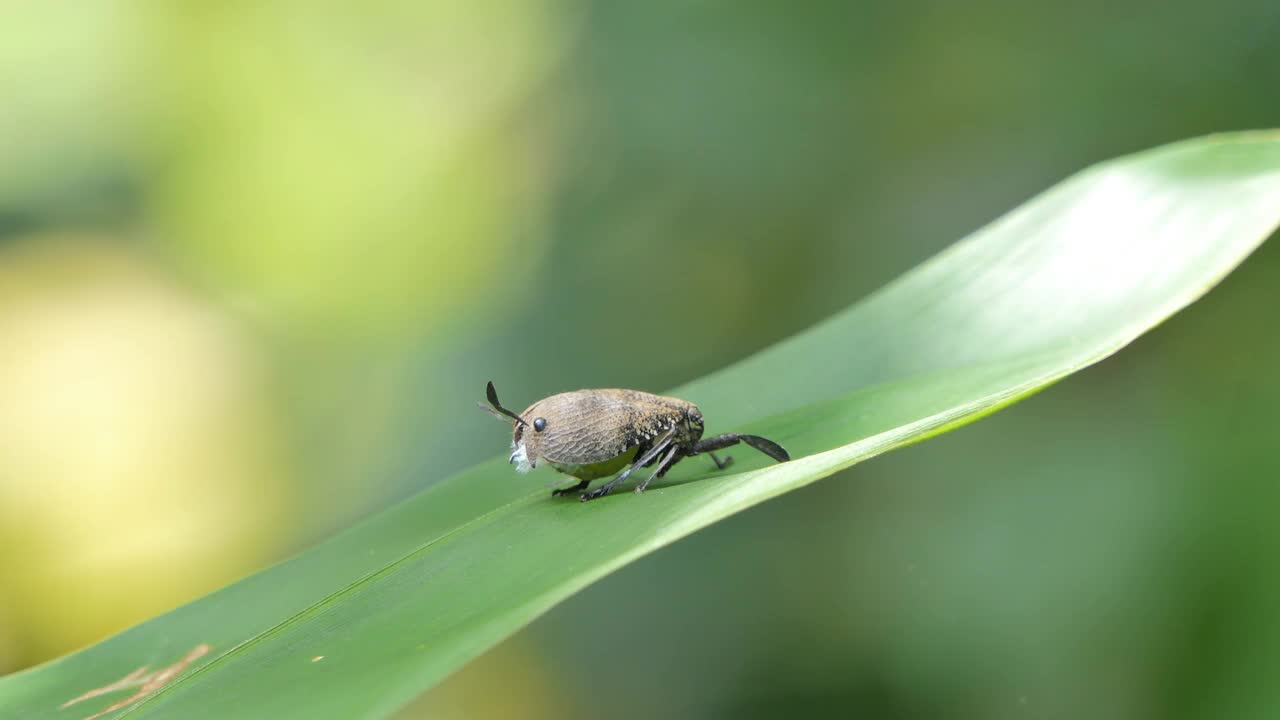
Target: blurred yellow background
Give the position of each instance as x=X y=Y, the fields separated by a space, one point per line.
x=258 y=259
x=212 y=217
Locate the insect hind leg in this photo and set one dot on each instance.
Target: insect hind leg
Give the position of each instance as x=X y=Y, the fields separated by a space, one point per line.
x=721 y=464
x=764 y=445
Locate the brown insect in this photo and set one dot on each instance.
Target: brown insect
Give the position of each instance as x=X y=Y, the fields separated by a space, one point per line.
x=590 y=434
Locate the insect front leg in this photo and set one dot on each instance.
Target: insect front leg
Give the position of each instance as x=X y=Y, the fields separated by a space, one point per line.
x=582 y=485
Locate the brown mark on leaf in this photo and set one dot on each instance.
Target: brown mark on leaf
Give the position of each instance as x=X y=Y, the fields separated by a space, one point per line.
x=146 y=682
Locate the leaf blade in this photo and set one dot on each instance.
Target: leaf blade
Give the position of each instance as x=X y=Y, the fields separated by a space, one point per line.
x=396 y=603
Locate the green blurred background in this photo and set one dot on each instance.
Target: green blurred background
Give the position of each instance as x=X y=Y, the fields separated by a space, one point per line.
x=258 y=259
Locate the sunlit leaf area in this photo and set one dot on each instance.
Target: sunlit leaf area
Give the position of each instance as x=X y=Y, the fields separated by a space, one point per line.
x=258 y=261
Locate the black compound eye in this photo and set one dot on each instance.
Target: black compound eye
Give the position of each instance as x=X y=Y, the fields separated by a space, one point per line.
x=539 y=424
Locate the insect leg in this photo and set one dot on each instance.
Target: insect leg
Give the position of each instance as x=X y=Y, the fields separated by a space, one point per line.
x=679 y=456
x=663 y=464
x=764 y=445
x=658 y=446
x=570 y=490
x=721 y=464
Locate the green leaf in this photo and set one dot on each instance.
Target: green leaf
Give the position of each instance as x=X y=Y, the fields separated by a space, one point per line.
x=358 y=625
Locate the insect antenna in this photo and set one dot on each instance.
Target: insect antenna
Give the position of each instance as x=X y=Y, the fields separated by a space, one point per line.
x=497 y=410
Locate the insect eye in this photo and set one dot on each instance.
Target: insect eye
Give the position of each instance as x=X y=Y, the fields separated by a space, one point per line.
x=539 y=424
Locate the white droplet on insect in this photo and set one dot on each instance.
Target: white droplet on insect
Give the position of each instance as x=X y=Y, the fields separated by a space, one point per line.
x=520 y=458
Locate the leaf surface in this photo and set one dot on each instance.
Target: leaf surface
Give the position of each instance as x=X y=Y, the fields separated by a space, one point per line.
x=359 y=624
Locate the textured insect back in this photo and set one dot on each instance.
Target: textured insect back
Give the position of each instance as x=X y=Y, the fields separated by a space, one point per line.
x=589 y=426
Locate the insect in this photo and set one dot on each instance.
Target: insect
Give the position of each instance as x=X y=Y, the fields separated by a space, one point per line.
x=590 y=434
